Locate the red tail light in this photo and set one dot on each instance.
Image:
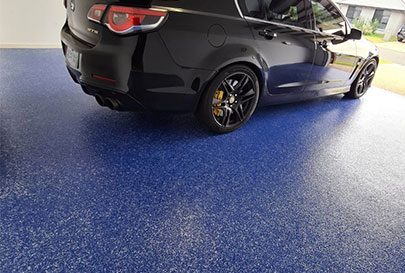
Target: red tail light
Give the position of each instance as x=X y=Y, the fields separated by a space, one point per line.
x=124 y=20
x=127 y=19
x=96 y=13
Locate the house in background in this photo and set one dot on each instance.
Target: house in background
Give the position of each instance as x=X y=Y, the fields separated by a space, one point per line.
x=390 y=13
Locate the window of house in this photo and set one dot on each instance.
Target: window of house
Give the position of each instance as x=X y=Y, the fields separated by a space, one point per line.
x=290 y=12
x=327 y=18
x=382 y=16
x=353 y=13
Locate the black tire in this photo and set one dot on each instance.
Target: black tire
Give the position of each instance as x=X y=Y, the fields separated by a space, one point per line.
x=230 y=99
x=363 y=81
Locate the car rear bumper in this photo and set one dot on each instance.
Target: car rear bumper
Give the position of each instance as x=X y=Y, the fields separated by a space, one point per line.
x=138 y=71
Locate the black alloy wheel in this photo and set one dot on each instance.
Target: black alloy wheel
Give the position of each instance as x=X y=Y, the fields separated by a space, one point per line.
x=230 y=100
x=363 y=81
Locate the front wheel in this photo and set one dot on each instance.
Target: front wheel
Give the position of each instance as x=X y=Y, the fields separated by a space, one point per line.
x=363 y=81
x=230 y=99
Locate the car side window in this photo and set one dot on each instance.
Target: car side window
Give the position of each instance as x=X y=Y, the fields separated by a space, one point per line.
x=327 y=18
x=254 y=8
x=290 y=12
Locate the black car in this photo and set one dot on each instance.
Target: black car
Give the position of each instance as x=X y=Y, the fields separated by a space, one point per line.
x=401 y=34
x=218 y=59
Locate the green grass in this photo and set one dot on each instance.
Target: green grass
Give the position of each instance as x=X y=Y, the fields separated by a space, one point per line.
x=378 y=38
x=375 y=38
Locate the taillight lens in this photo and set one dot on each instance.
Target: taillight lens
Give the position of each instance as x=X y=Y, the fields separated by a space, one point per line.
x=125 y=20
x=96 y=13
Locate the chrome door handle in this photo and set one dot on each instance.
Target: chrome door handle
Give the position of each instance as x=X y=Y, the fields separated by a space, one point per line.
x=268 y=34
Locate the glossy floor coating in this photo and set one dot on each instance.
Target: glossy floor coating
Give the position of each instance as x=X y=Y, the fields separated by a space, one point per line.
x=314 y=186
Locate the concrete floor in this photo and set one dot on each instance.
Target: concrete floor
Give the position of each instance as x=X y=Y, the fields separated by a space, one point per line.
x=314 y=186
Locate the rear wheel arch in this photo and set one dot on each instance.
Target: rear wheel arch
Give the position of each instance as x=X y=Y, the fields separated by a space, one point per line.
x=251 y=65
x=376 y=58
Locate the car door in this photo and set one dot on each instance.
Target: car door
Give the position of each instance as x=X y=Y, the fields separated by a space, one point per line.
x=335 y=58
x=285 y=41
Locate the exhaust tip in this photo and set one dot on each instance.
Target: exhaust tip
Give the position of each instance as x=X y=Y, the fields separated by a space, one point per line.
x=100 y=100
x=112 y=104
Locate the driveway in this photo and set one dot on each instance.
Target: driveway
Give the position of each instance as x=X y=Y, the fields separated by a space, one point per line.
x=392 y=54
x=396 y=46
x=391 y=77
x=390 y=74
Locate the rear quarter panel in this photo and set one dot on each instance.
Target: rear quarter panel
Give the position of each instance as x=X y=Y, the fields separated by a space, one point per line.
x=207 y=34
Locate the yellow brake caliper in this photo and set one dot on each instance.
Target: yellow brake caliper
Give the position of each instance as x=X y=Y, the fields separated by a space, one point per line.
x=219 y=95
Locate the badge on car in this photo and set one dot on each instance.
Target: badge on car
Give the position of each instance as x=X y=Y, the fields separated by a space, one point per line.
x=92 y=31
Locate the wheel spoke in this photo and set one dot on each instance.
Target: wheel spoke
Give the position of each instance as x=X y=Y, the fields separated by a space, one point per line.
x=248 y=96
x=228 y=87
x=227 y=117
x=360 y=88
x=248 y=93
x=242 y=83
x=370 y=76
x=240 y=113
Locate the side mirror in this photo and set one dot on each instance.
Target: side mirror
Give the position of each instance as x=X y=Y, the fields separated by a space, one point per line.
x=355 y=34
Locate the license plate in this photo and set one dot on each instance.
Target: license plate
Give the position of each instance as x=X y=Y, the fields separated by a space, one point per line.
x=72 y=58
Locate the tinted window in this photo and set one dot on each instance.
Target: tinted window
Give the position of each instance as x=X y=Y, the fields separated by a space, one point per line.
x=327 y=17
x=291 y=12
x=254 y=8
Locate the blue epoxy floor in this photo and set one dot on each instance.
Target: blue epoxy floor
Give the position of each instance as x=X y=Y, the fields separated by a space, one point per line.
x=314 y=186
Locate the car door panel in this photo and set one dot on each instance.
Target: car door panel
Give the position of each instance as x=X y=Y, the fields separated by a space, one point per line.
x=283 y=36
x=334 y=64
x=289 y=55
x=335 y=57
